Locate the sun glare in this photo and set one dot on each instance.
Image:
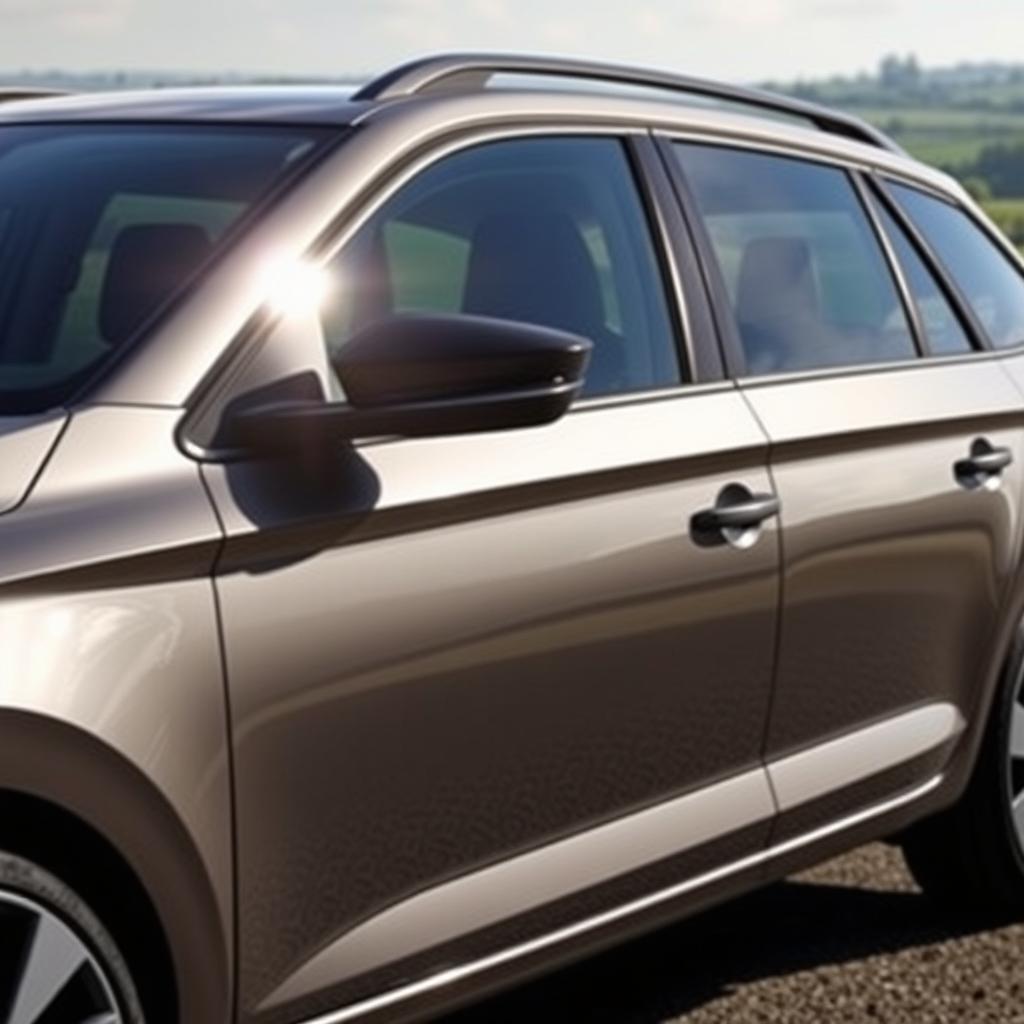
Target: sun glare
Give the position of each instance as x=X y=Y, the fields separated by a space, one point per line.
x=295 y=287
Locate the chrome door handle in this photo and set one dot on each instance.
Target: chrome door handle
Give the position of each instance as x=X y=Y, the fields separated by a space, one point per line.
x=985 y=462
x=982 y=467
x=739 y=514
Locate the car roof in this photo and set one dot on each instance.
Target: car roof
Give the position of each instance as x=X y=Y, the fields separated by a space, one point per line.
x=254 y=104
x=451 y=88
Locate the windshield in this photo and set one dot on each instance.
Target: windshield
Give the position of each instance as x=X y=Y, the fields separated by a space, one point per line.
x=101 y=225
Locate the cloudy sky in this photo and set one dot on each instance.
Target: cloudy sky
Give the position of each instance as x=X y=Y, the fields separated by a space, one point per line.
x=726 y=38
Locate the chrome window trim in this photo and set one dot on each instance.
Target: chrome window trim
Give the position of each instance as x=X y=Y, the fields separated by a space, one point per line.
x=856 y=169
x=895 y=366
x=335 y=238
x=340 y=230
x=384 y=138
x=977 y=216
x=911 y=309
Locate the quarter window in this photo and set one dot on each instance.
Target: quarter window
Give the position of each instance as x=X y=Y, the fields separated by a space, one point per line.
x=547 y=231
x=990 y=283
x=805 y=274
x=943 y=331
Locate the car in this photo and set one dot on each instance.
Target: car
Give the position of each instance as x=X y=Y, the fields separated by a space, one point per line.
x=452 y=527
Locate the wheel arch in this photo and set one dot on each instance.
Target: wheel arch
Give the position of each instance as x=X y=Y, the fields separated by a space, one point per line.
x=59 y=782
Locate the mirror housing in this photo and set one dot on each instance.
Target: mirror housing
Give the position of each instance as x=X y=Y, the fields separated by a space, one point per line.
x=425 y=376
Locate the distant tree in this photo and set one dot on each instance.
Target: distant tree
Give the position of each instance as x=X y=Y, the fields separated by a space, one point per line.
x=978 y=188
x=1002 y=166
x=899 y=74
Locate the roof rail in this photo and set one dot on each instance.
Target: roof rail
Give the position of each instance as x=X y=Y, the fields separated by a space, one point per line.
x=466 y=72
x=9 y=95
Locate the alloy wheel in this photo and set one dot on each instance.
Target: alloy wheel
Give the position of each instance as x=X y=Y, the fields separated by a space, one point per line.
x=1016 y=765
x=48 y=974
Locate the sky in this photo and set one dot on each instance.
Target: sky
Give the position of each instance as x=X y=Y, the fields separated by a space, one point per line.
x=767 y=39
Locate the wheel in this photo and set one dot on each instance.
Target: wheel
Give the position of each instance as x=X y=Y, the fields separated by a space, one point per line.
x=972 y=856
x=58 y=965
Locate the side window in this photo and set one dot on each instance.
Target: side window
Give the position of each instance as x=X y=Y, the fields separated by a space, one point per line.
x=805 y=273
x=943 y=330
x=549 y=231
x=989 y=281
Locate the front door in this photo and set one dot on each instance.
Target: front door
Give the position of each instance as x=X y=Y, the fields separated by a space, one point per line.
x=473 y=679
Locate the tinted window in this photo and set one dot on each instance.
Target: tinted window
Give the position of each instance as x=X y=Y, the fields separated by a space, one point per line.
x=804 y=271
x=545 y=231
x=100 y=226
x=943 y=330
x=989 y=281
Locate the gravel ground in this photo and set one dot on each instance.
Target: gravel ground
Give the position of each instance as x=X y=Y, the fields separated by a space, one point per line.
x=852 y=940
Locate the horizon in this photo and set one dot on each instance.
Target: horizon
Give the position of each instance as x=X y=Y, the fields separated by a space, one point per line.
x=784 y=40
x=175 y=76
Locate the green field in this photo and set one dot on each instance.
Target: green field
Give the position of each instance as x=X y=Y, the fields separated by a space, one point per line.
x=955 y=140
x=950 y=139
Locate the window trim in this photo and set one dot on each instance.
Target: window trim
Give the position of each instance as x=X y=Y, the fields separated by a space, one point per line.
x=732 y=345
x=726 y=330
x=341 y=225
x=910 y=307
x=340 y=231
x=700 y=358
x=976 y=332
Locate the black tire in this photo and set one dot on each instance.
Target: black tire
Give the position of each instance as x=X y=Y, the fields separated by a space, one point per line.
x=971 y=857
x=30 y=895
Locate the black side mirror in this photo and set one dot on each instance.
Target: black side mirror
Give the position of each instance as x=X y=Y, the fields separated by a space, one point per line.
x=421 y=376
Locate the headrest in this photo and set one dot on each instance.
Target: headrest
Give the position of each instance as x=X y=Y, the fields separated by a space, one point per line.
x=776 y=280
x=147 y=264
x=531 y=264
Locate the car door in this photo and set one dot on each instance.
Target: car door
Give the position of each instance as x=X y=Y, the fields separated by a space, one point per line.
x=899 y=476
x=488 y=684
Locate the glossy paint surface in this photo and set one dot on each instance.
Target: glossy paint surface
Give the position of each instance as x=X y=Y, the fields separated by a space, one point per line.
x=109 y=648
x=895 y=571
x=487 y=695
x=25 y=443
x=484 y=644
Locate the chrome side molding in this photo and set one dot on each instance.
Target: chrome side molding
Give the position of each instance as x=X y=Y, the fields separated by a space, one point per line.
x=531 y=879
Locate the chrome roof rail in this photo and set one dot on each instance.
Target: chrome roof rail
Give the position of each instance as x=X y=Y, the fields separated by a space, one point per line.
x=468 y=72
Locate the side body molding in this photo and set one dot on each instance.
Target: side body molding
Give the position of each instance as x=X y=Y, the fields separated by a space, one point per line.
x=503 y=890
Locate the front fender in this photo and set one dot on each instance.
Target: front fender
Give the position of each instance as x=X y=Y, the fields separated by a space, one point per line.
x=81 y=776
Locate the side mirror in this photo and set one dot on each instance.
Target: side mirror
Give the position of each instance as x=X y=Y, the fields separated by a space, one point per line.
x=422 y=376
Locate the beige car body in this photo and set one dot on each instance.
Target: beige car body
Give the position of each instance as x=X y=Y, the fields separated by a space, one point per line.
x=355 y=791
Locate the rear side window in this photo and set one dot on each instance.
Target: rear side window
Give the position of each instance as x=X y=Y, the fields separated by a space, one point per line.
x=985 y=275
x=943 y=331
x=550 y=231
x=805 y=273
x=101 y=225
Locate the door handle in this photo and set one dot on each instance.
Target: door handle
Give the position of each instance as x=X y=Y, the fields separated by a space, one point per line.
x=737 y=509
x=984 y=463
x=982 y=466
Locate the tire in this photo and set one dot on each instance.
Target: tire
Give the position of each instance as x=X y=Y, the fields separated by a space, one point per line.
x=58 y=964
x=971 y=857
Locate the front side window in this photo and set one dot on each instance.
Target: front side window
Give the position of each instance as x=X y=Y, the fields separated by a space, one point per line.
x=100 y=225
x=804 y=272
x=548 y=231
x=989 y=282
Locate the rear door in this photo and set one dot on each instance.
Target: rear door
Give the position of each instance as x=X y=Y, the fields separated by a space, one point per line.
x=492 y=684
x=896 y=453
